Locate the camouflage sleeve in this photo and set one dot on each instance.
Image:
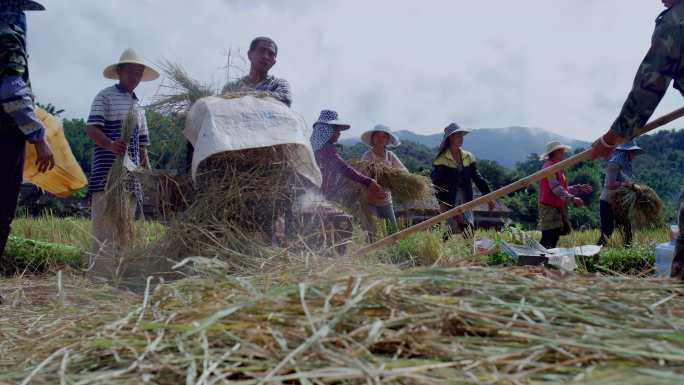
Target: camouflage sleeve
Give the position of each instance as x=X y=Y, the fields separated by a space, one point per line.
x=17 y=101
x=651 y=82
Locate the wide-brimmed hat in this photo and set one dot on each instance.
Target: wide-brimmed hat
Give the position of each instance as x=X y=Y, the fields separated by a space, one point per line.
x=553 y=146
x=324 y=128
x=367 y=137
x=131 y=56
x=452 y=129
x=331 y=118
x=631 y=146
x=22 y=5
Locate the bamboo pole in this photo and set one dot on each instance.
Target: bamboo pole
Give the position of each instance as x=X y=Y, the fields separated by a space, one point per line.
x=517 y=185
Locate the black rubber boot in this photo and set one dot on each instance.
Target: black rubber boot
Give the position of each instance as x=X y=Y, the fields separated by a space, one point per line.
x=677 y=271
x=7 y=264
x=602 y=240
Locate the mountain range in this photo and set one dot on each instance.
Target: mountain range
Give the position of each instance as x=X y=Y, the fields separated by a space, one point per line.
x=504 y=145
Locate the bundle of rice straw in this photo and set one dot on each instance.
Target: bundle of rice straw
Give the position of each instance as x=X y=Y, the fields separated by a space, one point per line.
x=119 y=199
x=240 y=197
x=184 y=91
x=405 y=187
x=638 y=203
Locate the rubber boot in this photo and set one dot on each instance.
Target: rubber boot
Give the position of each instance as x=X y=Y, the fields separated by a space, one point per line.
x=7 y=264
x=677 y=270
x=602 y=240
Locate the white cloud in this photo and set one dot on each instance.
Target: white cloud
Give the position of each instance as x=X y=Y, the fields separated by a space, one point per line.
x=564 y=65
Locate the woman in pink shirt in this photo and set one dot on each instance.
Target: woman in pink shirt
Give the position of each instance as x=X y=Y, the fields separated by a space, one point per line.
x=379 y=139
x=555 y=195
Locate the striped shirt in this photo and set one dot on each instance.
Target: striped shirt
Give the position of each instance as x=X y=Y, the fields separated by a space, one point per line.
x=109 y=109
x=279 y=88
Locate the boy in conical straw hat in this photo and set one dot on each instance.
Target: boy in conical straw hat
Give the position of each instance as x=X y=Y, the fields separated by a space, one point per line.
x=107 y=115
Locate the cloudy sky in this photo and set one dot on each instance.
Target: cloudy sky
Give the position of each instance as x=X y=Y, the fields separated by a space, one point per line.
x=563 y=65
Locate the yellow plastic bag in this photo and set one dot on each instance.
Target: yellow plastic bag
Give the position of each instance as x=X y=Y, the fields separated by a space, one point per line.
x=67 y=177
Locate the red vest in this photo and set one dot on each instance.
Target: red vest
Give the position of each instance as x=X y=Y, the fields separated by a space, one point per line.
x=546 y=195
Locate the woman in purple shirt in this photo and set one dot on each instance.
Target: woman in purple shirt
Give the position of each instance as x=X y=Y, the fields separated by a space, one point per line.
x=326 y=132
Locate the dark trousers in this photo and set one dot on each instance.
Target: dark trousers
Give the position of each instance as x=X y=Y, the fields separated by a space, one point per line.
x=609 y=222
x=550 y=238
x=12 y=144
x=678 y=261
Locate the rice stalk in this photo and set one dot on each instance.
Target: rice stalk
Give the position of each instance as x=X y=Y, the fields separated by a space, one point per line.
x=119 y=199
x=404 y=186
x=184 y=91
x=638 y=203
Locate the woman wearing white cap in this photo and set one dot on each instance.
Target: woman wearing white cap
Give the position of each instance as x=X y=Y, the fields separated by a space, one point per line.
x=618 y=174
x=379 y=139
x=554 y=196
x=454 y=171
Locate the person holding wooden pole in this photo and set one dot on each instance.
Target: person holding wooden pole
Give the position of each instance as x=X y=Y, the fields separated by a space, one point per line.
x=554 y=197
x=664 y=62
x=454 y=171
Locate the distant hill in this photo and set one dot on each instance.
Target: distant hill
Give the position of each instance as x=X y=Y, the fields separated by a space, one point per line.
x=503 y=145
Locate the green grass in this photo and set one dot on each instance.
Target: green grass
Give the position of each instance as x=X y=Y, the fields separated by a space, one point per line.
x=423 y=249
x=48 y=241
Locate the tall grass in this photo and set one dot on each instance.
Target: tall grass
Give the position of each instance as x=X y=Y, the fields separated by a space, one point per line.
x=75 y=231
x=423 y=249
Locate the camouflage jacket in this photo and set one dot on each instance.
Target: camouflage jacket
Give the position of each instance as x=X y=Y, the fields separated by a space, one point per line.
x=663 y=63
x=16 y=97
x=13 y=55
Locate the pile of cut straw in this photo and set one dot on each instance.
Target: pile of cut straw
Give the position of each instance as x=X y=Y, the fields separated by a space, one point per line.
x=638 y=203
x=425 y=326
x=240 y=197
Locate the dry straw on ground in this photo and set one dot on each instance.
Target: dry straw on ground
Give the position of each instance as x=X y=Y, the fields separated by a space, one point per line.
x=639 y=203
x=425 y=326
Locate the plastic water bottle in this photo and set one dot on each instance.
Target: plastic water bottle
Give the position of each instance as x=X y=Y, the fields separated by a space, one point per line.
x=663 y=259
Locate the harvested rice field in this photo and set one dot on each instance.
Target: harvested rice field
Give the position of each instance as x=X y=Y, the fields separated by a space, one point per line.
x=346 y=324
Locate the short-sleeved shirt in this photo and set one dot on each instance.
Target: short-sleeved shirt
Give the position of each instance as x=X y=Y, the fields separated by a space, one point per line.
x=109 y=110
x=280 y=88
x=390 y=159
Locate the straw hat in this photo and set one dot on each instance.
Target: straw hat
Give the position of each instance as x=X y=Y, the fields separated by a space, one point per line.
x=367 y=137
x=631 y=146
x=23 y=5
x=553 y=146
x=131 y=56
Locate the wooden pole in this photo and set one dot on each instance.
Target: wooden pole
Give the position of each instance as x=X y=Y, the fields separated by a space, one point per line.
x=517 y=185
